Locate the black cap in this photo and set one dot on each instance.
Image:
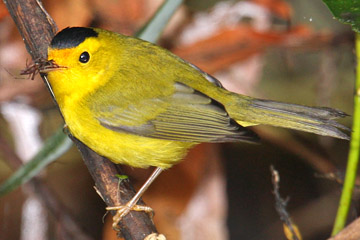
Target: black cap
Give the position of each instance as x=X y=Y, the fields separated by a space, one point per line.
x=72 y=37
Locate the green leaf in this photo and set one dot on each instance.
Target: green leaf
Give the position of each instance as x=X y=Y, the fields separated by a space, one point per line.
x=53 y=148
x=154 y=27
x=121 y=177
x=346 y=11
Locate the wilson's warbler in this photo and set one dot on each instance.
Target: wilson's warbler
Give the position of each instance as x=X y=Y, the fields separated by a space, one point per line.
x=138 y=104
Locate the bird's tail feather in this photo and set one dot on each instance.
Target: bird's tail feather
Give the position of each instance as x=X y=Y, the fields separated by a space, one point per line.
x=318 y=120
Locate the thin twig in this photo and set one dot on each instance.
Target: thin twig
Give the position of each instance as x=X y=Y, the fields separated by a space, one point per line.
x=280 y=204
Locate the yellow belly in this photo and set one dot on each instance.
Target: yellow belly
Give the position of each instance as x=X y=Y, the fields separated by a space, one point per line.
x=119 y=147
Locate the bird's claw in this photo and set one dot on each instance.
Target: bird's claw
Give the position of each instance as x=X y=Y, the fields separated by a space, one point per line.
x=123 y=210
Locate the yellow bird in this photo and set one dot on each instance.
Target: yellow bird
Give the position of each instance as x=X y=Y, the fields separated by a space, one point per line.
x=140 y=105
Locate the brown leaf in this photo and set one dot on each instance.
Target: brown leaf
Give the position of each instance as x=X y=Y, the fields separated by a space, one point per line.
x=233 y=45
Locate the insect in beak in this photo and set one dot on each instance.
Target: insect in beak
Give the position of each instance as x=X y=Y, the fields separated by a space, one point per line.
x=40 y=65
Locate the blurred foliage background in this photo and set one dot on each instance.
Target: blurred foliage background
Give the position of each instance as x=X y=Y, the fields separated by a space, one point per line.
x=292 y=51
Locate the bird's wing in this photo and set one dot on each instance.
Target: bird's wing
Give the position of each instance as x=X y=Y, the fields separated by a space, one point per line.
x=186 y=115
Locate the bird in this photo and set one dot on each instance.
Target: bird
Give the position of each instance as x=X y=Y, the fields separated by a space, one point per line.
x=138 y=104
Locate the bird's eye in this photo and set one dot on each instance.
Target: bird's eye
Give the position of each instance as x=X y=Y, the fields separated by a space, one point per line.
x=84 y=57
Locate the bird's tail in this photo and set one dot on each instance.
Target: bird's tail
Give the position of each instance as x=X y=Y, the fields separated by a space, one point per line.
x=318 y=120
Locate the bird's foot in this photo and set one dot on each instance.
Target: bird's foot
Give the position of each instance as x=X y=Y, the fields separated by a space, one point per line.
x=123 y=210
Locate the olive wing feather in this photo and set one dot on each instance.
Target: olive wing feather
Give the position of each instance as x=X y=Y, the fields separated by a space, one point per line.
x=185 y=115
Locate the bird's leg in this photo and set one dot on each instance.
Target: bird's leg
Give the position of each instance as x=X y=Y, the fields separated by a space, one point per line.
x=123 y=210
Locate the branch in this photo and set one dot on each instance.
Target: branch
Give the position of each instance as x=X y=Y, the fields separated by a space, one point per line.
x=37 y=29
x=135 y=225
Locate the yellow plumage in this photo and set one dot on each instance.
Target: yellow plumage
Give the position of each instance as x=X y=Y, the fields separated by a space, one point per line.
x=140 y=105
